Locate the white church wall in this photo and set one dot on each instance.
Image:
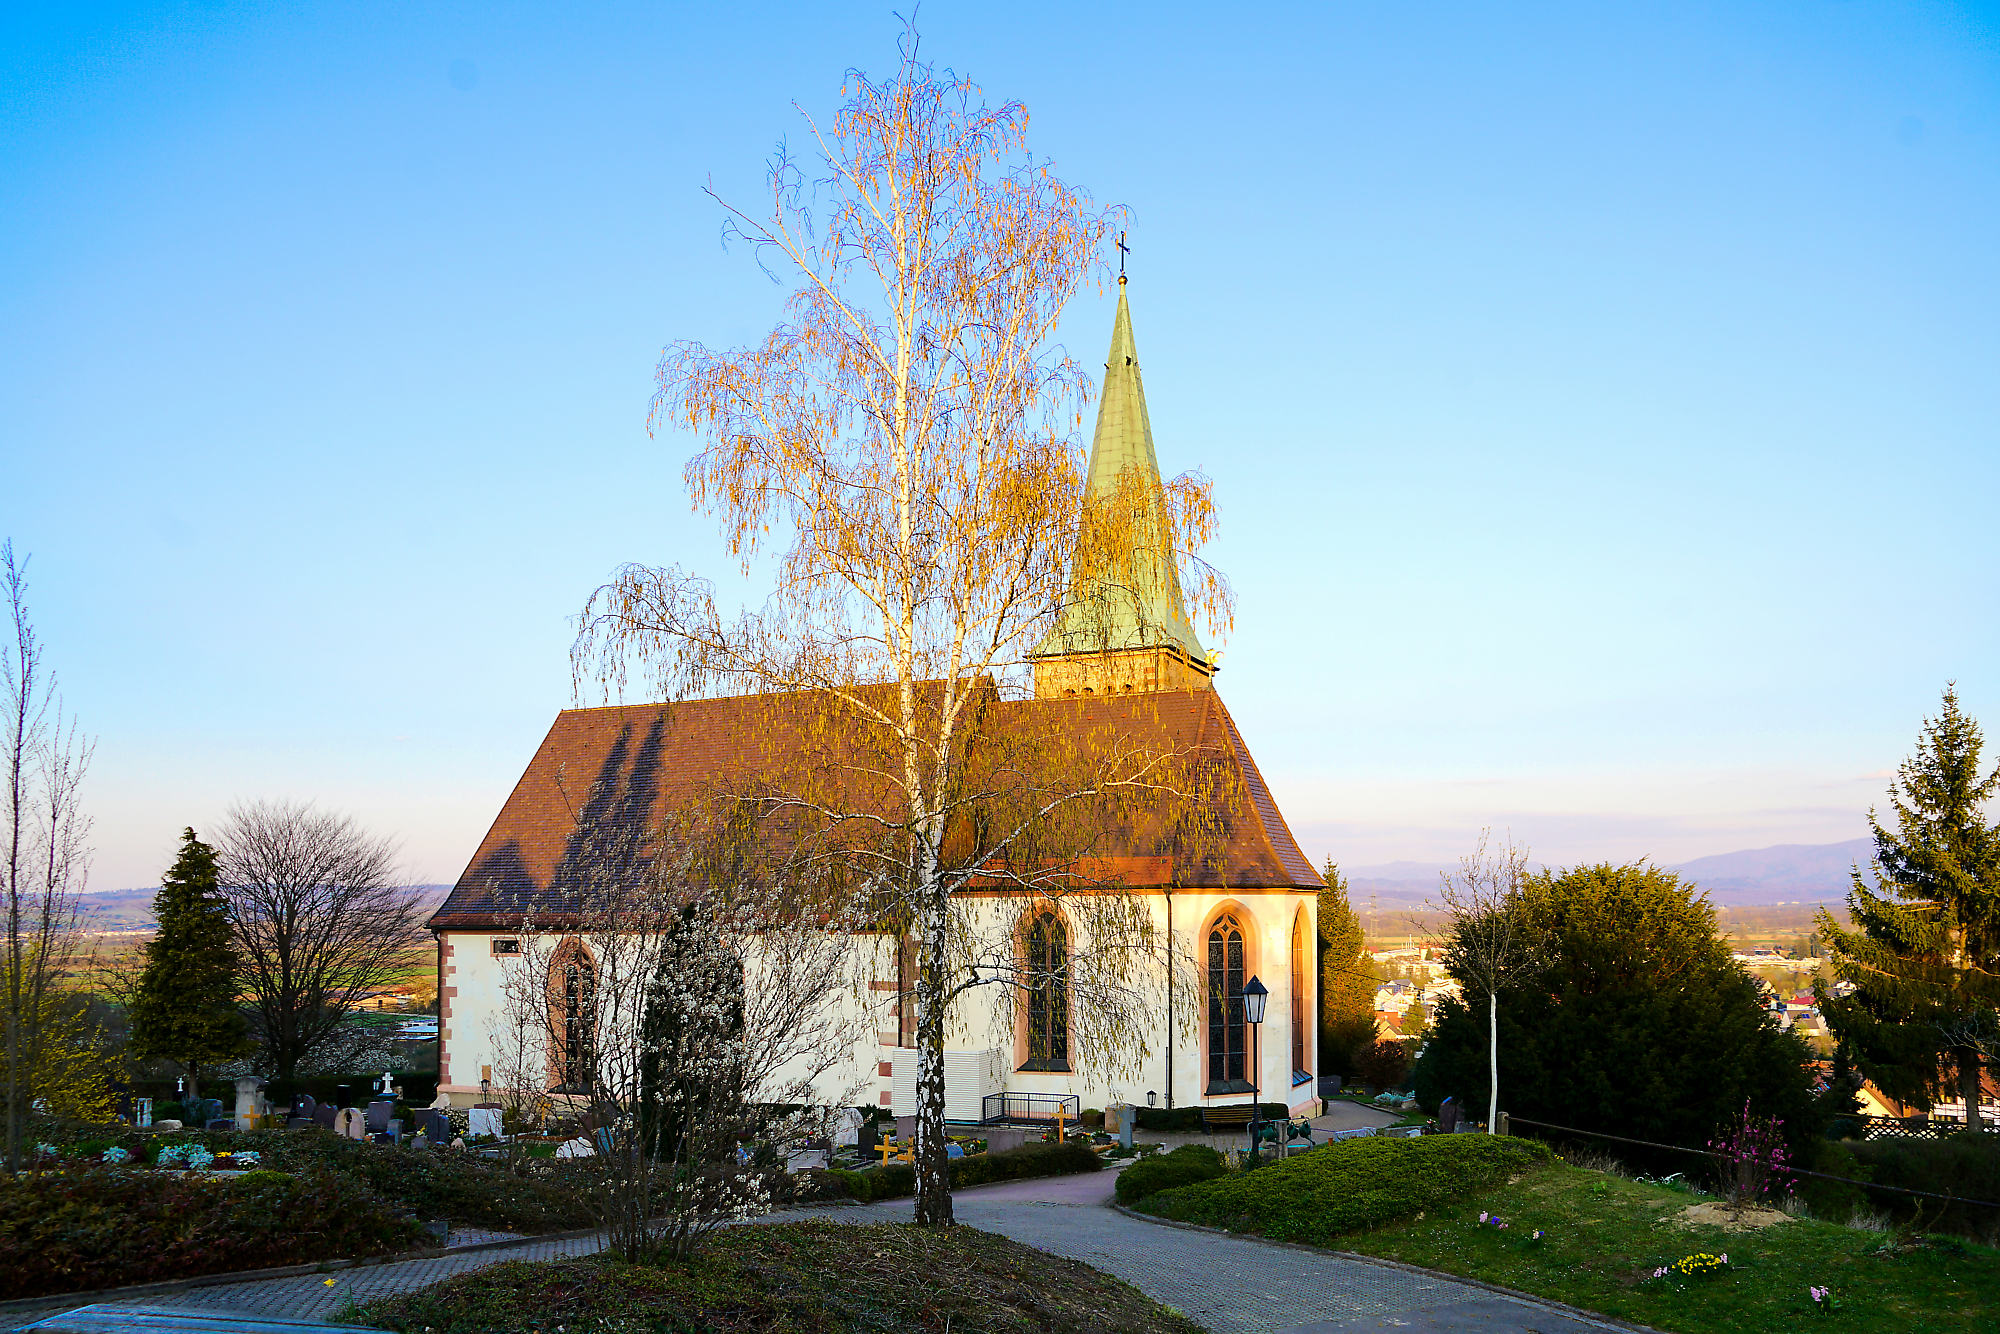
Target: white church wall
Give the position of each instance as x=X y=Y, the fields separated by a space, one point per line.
x=877 y=1072
x=470 y=1005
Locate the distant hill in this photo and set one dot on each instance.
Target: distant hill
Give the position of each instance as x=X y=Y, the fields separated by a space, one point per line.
x=1787 y=873
x=132 y=909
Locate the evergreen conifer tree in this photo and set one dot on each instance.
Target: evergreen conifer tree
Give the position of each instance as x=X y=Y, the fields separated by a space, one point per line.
x=1346 y=982
x=1924 y=964
x=184 y=1007
x=1620 y=1009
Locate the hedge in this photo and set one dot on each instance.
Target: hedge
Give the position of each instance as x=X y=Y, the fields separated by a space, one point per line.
x=1183 y=1167
x=1030 y=1160
x=1359 y=1183
x=85 y=1228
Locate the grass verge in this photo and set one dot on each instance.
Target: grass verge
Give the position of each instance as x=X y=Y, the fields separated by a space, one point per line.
x=1319 y=1196
x=1603 y=1238
x=791 y=1278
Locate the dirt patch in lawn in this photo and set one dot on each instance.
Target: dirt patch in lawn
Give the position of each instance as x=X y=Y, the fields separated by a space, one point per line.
x=1714 y=1213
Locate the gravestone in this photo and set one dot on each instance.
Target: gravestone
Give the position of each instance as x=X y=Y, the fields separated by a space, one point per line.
x=847 y=1132
x=436 y=1126
x=484 y=1119
x=378 y=1117
x=351 y=1122
x=999 y=1139
x=1448 y=1116
x=249 y=1102
x=324 y=1114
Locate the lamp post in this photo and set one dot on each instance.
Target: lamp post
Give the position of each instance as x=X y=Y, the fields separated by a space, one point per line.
x=1255 y=993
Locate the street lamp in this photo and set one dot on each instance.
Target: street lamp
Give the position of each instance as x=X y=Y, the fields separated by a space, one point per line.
x=485 y=1090
x=1152 y=1098
x=1255 y=993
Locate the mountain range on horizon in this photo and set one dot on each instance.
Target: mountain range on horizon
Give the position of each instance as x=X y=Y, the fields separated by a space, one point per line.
x=132 y=909
x=1754 y=877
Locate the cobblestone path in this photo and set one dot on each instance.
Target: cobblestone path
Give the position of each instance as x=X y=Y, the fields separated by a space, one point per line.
x=1230 y=1285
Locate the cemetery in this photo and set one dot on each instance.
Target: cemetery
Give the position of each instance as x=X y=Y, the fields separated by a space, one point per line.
x=208 y=1186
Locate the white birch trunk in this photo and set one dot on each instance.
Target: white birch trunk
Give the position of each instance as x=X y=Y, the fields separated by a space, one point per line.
x=1493 y=1061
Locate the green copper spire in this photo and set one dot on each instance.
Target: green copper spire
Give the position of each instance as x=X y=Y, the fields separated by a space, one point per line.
x=1120 y=598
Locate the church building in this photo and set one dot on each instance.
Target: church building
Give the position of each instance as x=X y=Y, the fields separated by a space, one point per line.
x=1240 y=904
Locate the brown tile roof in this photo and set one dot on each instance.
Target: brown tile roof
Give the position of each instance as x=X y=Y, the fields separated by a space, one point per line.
x=602 y=779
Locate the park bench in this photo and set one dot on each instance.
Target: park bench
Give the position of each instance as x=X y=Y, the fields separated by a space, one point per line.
x=1234 y=1117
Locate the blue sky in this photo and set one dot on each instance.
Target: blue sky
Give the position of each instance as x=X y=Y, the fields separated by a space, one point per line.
x=1601 y=398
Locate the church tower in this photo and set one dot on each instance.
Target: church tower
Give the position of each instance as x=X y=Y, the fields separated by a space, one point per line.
x=1124 y=627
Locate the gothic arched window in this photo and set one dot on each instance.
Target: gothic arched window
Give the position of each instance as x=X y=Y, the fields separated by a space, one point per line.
x=1301 y=1020
x=573 y=1019
x=1228 y=1037
x=1048 y=994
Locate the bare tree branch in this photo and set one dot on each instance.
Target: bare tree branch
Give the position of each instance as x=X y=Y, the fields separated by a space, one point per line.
x=319 y=919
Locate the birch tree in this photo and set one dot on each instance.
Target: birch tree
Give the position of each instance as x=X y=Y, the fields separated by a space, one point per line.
x=905 y=442
x=47 y=863
x=1481 y=899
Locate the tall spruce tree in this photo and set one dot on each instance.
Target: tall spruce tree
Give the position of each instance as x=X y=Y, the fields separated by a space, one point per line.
x=1923 y=1017
x=1346 y=982
x=184 y=1008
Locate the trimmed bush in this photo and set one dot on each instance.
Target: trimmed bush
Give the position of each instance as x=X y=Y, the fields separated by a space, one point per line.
x=98 y=1228
x=1030 y=1160
x=883 y=1183
x=1344 y=1187
x=1183 y=1167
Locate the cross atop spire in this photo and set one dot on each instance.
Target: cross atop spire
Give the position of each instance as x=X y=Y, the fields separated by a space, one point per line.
x=1125 y=601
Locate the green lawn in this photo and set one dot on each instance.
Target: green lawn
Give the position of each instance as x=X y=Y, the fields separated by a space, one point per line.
x=1607 y=1235
x=1604 y=1238
x=792 y=1278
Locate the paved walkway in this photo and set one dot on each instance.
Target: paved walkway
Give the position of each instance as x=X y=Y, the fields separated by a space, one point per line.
x=1231 y=1285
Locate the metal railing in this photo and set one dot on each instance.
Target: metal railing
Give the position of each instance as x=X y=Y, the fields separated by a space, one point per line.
x=1028 y=1108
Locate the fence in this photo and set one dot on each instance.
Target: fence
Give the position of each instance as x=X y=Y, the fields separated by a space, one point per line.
x=1918 y=1127
x=1027 y=1108
x=1723 y=1157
